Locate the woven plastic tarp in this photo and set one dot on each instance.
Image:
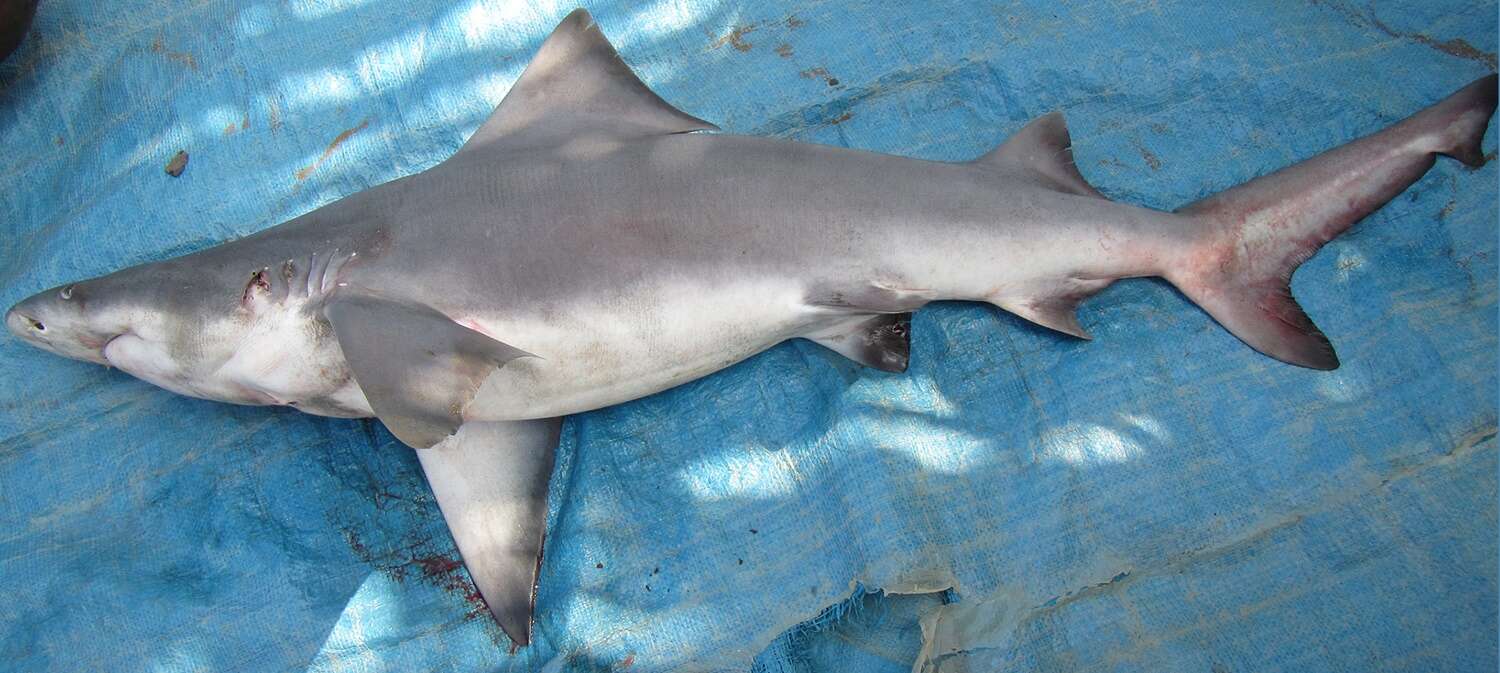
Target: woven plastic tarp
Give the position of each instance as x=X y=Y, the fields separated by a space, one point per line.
x=1159 y=499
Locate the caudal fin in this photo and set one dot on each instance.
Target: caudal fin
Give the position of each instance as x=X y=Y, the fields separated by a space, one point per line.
x=1255 y=235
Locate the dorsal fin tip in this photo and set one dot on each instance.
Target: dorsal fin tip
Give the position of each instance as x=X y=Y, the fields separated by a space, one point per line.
x=1044 y=147
x=577 y=84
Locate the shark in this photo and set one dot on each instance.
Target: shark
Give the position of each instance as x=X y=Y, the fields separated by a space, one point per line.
x=590 y=244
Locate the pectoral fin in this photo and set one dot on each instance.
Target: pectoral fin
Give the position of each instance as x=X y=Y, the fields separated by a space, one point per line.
x=418 y=369
x=490 y=480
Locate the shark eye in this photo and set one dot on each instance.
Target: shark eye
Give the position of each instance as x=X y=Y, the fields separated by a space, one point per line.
x=66 y=293
x=38 y=325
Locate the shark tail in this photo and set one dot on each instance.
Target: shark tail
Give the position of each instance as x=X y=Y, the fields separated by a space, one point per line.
x=1252 y=237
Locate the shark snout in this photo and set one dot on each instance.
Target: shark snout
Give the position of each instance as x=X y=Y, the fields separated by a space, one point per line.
x=22 y=324
x=39 y=322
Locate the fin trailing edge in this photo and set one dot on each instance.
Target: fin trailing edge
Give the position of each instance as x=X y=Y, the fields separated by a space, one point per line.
x=1044 y=149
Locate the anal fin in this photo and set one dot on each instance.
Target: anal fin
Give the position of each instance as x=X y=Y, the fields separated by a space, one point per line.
x=1055 y=307
x=880 y=341
x=490 y=480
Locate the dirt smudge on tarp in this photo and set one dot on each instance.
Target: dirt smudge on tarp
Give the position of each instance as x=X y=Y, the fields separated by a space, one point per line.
x=1458 y=46
x=178 y=164
x=735 y=38
x=159 y=46
x=819 y=73
x=305 y=171
x=1150 y=157
x=232 y=128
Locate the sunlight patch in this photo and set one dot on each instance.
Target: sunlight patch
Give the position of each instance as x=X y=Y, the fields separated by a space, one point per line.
x=1344 y=385
x=1147 y=425
x=396 y=61
x=466 y=105
x=312 y=9
x=937 y=449
x=1079 y=444
x=662 y=18
x=756 y=473
x=217 y=119
x=317 y=88
x=485 y=24
x=367 y=612
x=939 y=404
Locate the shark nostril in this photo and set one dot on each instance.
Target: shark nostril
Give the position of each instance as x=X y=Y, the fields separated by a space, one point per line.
x=37 y=324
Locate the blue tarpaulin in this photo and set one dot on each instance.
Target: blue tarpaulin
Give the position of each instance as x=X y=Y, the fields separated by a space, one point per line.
x=1159 y=499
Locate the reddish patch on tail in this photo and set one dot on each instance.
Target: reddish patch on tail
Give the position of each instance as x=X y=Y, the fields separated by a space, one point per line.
x=1255 y=235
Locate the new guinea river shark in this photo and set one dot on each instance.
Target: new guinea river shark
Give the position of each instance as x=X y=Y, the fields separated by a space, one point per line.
x=590 y=244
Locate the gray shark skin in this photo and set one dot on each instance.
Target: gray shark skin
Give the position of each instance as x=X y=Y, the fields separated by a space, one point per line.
x=591 y=245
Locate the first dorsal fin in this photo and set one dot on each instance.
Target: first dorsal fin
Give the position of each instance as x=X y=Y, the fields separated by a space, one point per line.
x=577 y=86
x=1043 y=148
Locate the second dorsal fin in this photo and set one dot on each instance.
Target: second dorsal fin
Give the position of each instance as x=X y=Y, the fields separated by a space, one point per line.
x=1044 y=148
x=577 y=86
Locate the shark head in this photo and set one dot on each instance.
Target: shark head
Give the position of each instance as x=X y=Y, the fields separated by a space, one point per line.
x=169 y=319
x=81 y=320
x=214 y=326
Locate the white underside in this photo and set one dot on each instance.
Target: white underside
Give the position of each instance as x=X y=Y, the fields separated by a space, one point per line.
x=598 y=354
x=279 y=361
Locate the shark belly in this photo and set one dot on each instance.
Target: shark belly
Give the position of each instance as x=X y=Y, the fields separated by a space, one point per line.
x=595 y=355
